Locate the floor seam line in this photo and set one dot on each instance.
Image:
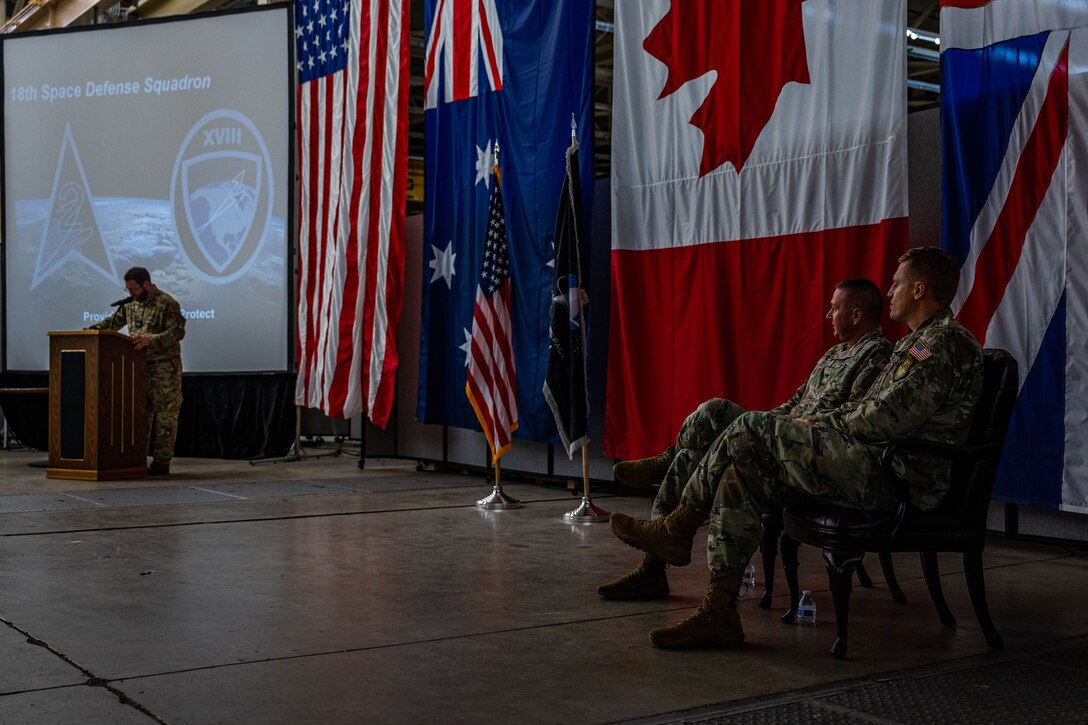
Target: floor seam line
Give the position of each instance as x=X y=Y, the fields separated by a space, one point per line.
x=92 y=680
x=238 y=521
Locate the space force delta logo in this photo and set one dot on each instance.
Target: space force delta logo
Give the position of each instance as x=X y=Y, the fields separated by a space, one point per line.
x=221 y=195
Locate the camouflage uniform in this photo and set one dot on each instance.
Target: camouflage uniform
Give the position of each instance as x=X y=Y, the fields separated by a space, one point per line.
x=844 y=373
x=928 y=390
x=160 y=319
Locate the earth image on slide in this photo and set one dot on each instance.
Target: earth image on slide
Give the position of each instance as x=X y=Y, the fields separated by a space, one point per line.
x=222 y=214
x=140 y=233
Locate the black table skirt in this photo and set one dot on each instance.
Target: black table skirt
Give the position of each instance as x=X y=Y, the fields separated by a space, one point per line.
x=222 y=416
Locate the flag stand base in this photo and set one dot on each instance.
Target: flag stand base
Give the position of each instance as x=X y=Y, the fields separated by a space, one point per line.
x=298 y=453
x=498 y=500
x=586 y=513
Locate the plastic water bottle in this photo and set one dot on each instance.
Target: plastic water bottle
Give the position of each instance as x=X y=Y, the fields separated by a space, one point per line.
x=748 y=581
x=806 y=609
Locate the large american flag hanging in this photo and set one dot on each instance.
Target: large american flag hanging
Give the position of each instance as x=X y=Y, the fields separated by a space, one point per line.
x=352 y=61
x=491 y=385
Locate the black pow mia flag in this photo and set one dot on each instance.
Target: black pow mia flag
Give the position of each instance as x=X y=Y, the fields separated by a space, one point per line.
x=565 y=385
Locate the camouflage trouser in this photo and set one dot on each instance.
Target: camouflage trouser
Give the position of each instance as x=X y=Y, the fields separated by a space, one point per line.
x=163 y=405
x=696 y=436
x=765 y=461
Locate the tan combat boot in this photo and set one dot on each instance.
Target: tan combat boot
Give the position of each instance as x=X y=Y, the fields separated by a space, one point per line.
x=645 y=582
x=669 y=538
x=644 y=472
x=715 y=621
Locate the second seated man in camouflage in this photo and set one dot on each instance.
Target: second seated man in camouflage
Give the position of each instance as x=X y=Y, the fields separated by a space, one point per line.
x=844 y=373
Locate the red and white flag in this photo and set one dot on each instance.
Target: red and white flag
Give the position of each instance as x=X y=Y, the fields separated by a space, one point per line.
x=352 y=62
x=492 y=386
x=758 y=157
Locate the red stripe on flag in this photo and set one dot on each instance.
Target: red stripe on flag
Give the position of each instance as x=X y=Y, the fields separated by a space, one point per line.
x=969 y=4
x=491 y=381
x=375 y=294
x=742 y=320
x=1034 y=170
x=502 y=349
x=326 y=230
x=462 y=46
x=432 y=54
x=394 y=273
x=481 y=377
x=347 y=350
x=313 y=175
x=345 y=347
x=302 y=329
x=489 y=48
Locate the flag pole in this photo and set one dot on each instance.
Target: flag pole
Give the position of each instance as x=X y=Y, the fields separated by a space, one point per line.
x=297 y=452
x=566 y=386
x=498 y=499
x=587 y=512
x=489 y=420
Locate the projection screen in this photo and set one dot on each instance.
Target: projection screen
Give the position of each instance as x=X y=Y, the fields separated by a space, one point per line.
x=163 y=145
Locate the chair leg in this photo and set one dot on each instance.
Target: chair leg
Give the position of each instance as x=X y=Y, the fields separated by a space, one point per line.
x=933 y=583
x=790 y=547
x=840 y=570
x=976 y=587
x=889 y=576
x=772 y=532
x=863 y=576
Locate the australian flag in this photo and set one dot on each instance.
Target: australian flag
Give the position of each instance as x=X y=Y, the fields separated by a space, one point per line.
x=509 y=73
x=566 y=388
x=1014 y=116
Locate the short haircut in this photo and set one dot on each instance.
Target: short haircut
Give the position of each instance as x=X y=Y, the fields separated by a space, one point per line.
x=865 y=295
x=938 y=269
x=139 y=275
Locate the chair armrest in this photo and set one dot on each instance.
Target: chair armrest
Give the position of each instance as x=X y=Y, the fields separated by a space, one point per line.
x=948 y=451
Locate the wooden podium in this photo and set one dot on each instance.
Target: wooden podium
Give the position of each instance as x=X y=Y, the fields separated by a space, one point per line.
x=97 y=406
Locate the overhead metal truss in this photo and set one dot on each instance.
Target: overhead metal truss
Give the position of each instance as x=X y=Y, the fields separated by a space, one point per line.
x=923 y=78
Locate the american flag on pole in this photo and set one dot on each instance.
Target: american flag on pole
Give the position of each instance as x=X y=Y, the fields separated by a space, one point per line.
x=352 y=62
x=491 y=385
x=1014 y=121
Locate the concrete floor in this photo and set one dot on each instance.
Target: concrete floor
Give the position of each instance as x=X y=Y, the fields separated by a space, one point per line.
x=407 y=604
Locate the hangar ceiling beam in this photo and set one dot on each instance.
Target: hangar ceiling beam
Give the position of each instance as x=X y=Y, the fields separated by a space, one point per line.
x=45 y=14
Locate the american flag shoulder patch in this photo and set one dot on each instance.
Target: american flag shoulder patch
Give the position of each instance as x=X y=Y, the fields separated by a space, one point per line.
x=920 y=352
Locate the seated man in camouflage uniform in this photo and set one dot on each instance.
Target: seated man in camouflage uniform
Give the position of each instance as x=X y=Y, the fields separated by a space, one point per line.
x=928 y=390
x=856 y=307
x=844 y=373
x=155 y=322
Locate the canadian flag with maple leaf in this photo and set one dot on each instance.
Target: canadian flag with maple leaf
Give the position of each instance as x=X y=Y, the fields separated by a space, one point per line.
x=758 y=158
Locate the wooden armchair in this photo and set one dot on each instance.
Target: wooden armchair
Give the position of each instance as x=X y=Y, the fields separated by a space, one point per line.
x=776 y=539
x=957 y=524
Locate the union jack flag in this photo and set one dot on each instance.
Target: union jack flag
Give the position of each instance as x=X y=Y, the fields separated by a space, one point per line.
x=462 y=34
x=1014 y=111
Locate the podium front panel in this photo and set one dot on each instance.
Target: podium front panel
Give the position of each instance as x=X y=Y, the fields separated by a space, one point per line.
x=73 y=405
x=97 y=406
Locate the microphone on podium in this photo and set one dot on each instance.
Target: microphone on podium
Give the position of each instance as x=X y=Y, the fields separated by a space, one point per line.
x=122 y=303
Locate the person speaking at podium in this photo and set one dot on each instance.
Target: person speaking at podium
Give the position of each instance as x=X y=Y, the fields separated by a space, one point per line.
x=155 y=323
